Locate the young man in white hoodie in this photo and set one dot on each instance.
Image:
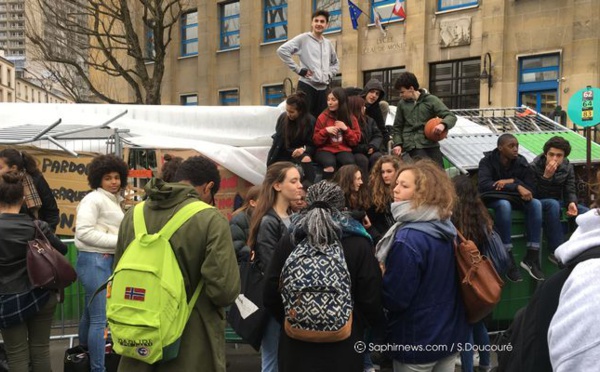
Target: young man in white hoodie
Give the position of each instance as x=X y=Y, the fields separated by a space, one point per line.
x=573 y=340
x=318 y=62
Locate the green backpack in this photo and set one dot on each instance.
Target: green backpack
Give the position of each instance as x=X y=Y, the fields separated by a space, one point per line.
x=146 y=302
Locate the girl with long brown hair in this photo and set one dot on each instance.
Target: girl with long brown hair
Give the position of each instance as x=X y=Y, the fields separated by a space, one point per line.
x=381 y=182
x=269 y=223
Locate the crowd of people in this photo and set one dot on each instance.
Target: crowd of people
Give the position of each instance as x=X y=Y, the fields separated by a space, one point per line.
x=338 y=184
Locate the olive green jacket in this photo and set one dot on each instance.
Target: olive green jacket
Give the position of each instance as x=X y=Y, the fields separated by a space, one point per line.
x=204 y=249
x=411 y=116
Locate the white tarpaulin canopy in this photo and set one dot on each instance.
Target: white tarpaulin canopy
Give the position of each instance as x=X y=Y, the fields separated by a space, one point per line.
x=237 y=137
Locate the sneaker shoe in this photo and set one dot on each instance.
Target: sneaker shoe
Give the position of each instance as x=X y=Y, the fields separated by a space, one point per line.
x=514 y=275
x=552 y=258
x=533 y=268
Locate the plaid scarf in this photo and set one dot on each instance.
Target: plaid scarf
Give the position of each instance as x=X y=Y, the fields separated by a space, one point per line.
x=32 y=198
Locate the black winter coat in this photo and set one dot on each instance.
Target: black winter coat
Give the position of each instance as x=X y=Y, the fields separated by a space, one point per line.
x=301 y=356
x=370 y=137
x=562 y=184
x=240 y=229
x=490 y=171
x=374 y=111
x=279 y=151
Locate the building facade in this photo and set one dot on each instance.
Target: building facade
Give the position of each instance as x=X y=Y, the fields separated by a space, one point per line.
x=7 y=79
x=471 y=53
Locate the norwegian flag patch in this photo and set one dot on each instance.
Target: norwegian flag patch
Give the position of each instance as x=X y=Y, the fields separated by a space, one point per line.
x=135 y=294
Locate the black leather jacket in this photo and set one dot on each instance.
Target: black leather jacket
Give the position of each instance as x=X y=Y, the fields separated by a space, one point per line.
x=270 y=231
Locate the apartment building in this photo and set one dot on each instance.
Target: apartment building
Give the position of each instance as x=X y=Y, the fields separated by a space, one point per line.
x=471 y=53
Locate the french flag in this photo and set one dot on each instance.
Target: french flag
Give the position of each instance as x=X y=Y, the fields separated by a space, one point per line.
x=399 y=9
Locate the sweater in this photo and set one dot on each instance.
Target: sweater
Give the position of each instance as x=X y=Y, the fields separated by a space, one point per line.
x=316 y=55
x=99 y=215
x=344 y=141
x=573 y=333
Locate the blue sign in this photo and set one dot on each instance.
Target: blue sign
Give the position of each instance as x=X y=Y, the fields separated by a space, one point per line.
x=584 y=107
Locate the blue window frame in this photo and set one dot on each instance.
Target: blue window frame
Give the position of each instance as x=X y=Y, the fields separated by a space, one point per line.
x=229 y=14
x=538 y=82
x=455 y=4
x=275 y=20
x=189 y=33
x=273 y=95
x=384 y=8
x=334 y=7
x=229 y=97
x=189 y=100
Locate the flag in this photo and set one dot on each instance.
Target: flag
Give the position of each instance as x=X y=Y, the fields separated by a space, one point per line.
x=135 y=294
x=378 y=23
x=399 y=9
x=355 y=12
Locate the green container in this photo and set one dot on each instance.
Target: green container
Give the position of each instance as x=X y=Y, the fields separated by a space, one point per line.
x=71 y=309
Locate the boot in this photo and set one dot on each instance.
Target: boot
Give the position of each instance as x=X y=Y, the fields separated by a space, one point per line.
x=531 y=263
x=513 y=274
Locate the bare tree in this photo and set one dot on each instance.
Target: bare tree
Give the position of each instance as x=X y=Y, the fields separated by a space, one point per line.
x=95 y=40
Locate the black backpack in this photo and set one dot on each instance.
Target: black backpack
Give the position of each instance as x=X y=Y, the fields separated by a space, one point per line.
x=528 y=333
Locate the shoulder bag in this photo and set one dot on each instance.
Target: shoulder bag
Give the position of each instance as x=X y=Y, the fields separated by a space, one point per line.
x=47 y=267
x=480 y=285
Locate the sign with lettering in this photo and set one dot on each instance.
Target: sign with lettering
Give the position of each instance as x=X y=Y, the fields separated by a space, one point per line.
x=67 y=177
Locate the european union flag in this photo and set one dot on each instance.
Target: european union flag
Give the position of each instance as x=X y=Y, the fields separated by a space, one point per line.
x=355 y=12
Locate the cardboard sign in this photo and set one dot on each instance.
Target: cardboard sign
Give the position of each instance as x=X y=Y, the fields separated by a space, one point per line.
x=67 y=177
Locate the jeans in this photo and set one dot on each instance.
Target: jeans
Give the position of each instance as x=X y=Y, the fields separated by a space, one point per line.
x=269 y=346
x=533 y=221
x=442 y=365
x=478 y=337
x=93 y=270
x=29 y=342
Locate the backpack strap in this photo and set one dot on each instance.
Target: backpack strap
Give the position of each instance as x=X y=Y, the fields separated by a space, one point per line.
x=174 y=223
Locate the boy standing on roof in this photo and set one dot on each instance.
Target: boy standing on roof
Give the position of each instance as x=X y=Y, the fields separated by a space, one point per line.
x=318 y=62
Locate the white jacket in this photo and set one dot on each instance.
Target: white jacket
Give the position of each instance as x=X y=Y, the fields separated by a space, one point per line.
x=573 y=335
x=99 y=216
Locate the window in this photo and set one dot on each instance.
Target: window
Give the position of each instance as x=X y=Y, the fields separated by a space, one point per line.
x=230 y=25
x=538 y=82
x=229 y=97
x=455 y=4
x=384 y=8
x=149 y=34
x=189 y=34
x=456 y=83
x=273 y=95
x=189 y=100
x=334 y=7
x=275 y=13
x=388 y=78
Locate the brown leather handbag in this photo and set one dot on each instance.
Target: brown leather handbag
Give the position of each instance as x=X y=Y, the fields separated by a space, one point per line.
x=47 y=267
x=480 y=285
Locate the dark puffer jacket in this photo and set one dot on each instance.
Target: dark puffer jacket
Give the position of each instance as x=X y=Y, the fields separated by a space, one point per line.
x=374 y=111
x=240 y=229
x=562 y=184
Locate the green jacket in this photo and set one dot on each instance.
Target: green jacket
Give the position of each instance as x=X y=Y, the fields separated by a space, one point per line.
x=204 y=248
x=411 y=116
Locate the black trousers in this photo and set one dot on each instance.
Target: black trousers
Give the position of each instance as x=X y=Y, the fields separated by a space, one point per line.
x=316 y=100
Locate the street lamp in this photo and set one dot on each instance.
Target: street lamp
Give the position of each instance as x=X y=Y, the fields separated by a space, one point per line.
x=485 y=75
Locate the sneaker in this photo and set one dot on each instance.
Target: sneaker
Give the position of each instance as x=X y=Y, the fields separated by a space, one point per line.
x=533 y=268
x=552 y=258
x=514 y=275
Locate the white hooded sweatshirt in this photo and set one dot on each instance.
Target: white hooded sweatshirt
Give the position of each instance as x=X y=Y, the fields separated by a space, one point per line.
x=574 y=332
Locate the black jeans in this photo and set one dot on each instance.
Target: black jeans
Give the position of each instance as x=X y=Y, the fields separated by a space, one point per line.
x=316 y=100
x=433 y=153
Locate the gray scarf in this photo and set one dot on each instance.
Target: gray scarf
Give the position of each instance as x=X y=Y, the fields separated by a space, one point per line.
x=403 y=213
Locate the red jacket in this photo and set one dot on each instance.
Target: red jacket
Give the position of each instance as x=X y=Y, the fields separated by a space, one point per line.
x=326 y=142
